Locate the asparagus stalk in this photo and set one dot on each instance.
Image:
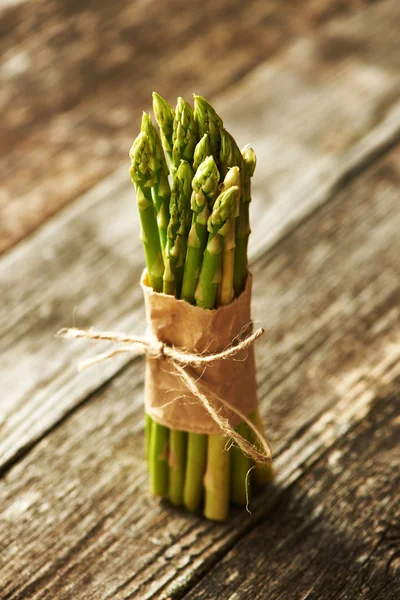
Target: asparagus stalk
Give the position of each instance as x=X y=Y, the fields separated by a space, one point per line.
x=210 y=123
x=177 y=459
x=195 y=469
x=201 y=151
x=205 y=190
x=158 y=459
x=143 y=177
x=225 y=288
x=160 y=191
x=177 y=230
x=234 y=273
x=240 y=463
x=230 y=155
x=175 y=258
x=216 y=480
x=243 y=222
x=210 y=274
x=165 y=115
x=184 y=136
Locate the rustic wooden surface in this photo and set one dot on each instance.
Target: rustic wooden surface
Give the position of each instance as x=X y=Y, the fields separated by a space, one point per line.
x=324 y=115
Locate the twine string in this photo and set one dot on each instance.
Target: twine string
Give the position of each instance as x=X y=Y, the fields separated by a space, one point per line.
x=182 y=361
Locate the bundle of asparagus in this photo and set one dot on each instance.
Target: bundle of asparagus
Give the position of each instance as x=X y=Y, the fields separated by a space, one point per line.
x=193 y=188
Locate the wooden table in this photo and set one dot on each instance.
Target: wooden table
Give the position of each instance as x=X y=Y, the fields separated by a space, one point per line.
x=315 y=88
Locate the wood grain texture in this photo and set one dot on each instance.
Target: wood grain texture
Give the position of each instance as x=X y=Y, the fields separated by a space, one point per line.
x=75 y=77
x=333 y=536
x=89 y=257
x=75 y=510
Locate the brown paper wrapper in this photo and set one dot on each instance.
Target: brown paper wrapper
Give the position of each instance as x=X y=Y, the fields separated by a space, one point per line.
x=197 y=330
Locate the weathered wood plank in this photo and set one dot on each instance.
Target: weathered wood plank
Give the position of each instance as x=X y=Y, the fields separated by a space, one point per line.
x=75 y=510
x=89 y=256
x=65 y=128
x=333 y=536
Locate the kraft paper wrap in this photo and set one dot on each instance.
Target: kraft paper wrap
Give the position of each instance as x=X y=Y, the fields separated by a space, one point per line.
x=177 y=323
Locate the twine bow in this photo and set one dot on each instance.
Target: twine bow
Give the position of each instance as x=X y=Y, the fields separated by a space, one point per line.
x=180 y=361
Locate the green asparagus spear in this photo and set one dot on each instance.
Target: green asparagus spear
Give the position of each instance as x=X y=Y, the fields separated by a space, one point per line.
x=217 y=479
x=165 y=115
x=225 y=288
x=177 y=460
x=243 y=222
x=178 y=229
x=205 y=190
x=229 y=155
x=184 y=140
x=158 y=459
x=208 y=122
x=240 y=463
x=195 y=469
x=184 y=136
x=210 y=274
x=234 y=270
x=160 y=190
x=202 y=150
x=224 y=208
x=143 y=177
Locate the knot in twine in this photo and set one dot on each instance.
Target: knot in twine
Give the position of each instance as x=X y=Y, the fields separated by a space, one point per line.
x=180 y=361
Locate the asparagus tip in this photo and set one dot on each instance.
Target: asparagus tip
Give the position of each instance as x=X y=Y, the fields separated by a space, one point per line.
x=249 y=157
x=224 y=207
